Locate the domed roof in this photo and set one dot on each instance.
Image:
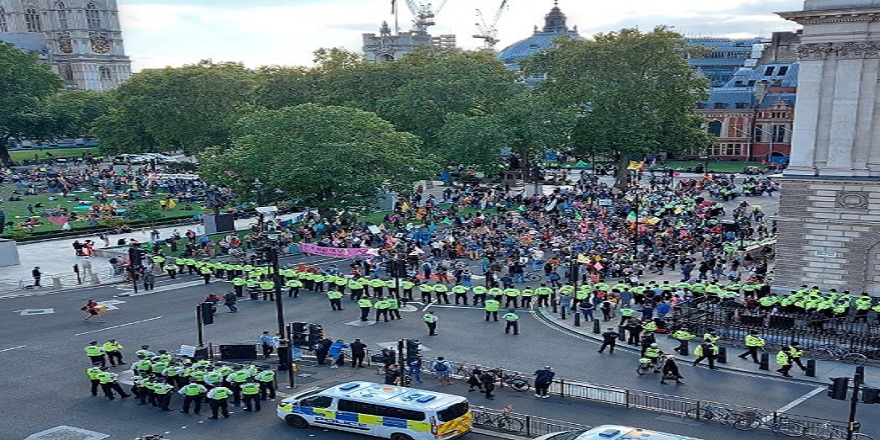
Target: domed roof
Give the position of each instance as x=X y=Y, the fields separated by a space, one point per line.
x=554 y=27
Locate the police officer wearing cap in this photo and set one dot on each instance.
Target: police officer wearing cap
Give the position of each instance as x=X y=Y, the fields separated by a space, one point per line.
x=511 y=322
x=96 y=354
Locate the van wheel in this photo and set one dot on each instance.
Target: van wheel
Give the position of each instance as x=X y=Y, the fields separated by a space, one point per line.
x=296 y=421
x=399 y=436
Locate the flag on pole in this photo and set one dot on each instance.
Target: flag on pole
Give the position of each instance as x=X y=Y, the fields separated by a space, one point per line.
x=577 y=214
x=631 y=217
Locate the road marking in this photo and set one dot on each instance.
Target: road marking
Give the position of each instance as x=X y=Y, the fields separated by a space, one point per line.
x=165 y=288
x=428 y=306
x=118 y=326
x=111 y=304
x=801 y=399
x=451 y=306
x=13 y=348
x=29 y=312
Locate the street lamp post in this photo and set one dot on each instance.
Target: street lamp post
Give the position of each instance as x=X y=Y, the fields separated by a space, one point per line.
x=283 y=345
x=636 y=224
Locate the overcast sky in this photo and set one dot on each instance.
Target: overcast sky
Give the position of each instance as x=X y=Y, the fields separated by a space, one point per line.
x=161 y=33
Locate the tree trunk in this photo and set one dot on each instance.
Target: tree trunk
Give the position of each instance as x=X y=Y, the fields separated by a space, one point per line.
x=622 y=174
x=5 y=159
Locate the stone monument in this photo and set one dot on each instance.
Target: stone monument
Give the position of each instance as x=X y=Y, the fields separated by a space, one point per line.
x=829 y=214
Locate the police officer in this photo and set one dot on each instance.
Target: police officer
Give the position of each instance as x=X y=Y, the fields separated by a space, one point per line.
x=365 y=305
x=238 y=284
x=235 y=380
x=250 y=393
x=206 y=271
x=682 y=335
x=706 y=350
x=293 y=286
x=441 y=292
x=784 y=362
x=480 y=295
x=266 y=379
x=511 y=322
x=544 y=294
x=431 y=321
x=393 y=308
x=491 y=306
x=268 y=289
x=609 y=340
x=163 y=395
x=109 y=384
x=753 y=344
x=94 y=374
x=426 y=289
x=460 y=294
x=114 y=352
x=193 y=393
x=381 y=306
x=95 y=354
x=794 y=355
x=219 y=399
x=335 y=298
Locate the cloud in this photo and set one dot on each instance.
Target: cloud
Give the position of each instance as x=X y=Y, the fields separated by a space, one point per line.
x=262 y=32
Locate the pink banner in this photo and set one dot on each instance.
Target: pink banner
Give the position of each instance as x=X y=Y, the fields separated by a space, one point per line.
x=308 y=248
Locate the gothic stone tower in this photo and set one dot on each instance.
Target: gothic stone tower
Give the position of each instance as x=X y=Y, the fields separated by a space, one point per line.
x=829 y=215
x=82 y=38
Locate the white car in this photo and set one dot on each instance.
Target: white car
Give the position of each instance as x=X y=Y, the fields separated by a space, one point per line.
x=614 y=432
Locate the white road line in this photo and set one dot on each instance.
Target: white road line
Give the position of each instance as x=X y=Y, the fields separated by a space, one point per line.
x=428 y=306
x=13 y=348
x=117 y=326
x=801 y=399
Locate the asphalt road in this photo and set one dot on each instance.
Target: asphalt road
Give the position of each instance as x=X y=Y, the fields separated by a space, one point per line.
x=44 y=365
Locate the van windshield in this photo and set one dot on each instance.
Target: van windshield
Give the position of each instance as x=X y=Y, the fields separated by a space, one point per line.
x=453 y=412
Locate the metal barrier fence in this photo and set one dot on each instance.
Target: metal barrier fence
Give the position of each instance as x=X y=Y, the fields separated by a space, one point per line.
x=628 y=398
x=511 y=422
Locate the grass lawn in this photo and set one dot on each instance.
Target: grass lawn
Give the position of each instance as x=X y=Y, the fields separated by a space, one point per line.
x=723 y=167
x=17 y=212
x=19 y=155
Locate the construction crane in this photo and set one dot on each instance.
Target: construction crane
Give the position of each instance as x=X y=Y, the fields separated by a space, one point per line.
x=424 y=15
x=489 y=33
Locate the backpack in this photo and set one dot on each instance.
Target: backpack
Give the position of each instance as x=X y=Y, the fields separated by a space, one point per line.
x=440 y=366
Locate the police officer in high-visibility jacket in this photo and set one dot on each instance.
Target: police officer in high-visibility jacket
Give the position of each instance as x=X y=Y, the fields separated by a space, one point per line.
x=268 y=289
x=460 y=294
x=238 y=284
x=753 y=343
x=365 y=305
x=95 y=354
x=266 y=378
x=491 y=307
x=250 y=394
x=706 y=350
x=784 y=362
x=511 y=322
x=682 y=335
x=193 y=394
x=431 y=321
x=219 y=399
x=94 y=377
x=114 y=352
x=335 y=298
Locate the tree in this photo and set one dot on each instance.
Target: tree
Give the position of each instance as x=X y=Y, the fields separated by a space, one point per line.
x=189 y=108
x=74 y=111
x=640 y=92
x=145 y=210
x=327 y=157
x=25 y=84
x=475 y=141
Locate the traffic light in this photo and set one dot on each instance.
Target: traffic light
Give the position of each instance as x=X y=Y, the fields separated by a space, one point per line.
x=300 y=331
x=316 y=334
x=870 y=395
x=135 y=256
x=412 y=349
x=838 y=388
x=207 y=311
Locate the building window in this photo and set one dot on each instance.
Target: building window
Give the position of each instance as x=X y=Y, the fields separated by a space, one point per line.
x=778 y=133
x=720 y=105
x=742 y=105
x=93 y=17
x=32 y=20
x=769 y=71
x=65 y=72
x=62 y=15
x=106 y=74
x=715 y=128
x=759 y=132
x=782 y=70
x=3 y=26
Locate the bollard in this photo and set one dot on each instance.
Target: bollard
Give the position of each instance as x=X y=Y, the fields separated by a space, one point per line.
x=596 y=328
x=684 y=350
x=94 y=280
x=254 y=294
x=553 y=303
x=56 y=282
x=722 y=355
x=765 y=362
x=621 y=333
x=811 y=368
x=577 y=319
x=562 y=311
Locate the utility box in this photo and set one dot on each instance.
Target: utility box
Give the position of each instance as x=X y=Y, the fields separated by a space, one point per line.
x=9 y=253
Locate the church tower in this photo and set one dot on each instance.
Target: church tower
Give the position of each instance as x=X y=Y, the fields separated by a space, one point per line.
x=81 y=39
x=829 y=215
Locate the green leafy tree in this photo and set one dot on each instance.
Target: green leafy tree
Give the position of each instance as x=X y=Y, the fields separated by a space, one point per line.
x=145 y=211
x=640 y=92
x=475 y=141
x=189 y=108
x=331 y=158
x=74 y=111
x=279 y=86
x=25 y=85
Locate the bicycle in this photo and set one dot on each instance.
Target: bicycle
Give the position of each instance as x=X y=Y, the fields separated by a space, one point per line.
x=501 y=421
x=827 y=431
x=752 y=420
x=646 y=365
x=708 y=412
x=835 y=352
x=514 y=380
x=533 y=277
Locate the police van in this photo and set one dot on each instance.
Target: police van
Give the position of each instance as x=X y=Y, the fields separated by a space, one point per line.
x=386 y=411
x=614 y=432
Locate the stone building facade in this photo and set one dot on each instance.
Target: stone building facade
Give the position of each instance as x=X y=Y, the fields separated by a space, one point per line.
x=81 y=39
x=829 y=216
